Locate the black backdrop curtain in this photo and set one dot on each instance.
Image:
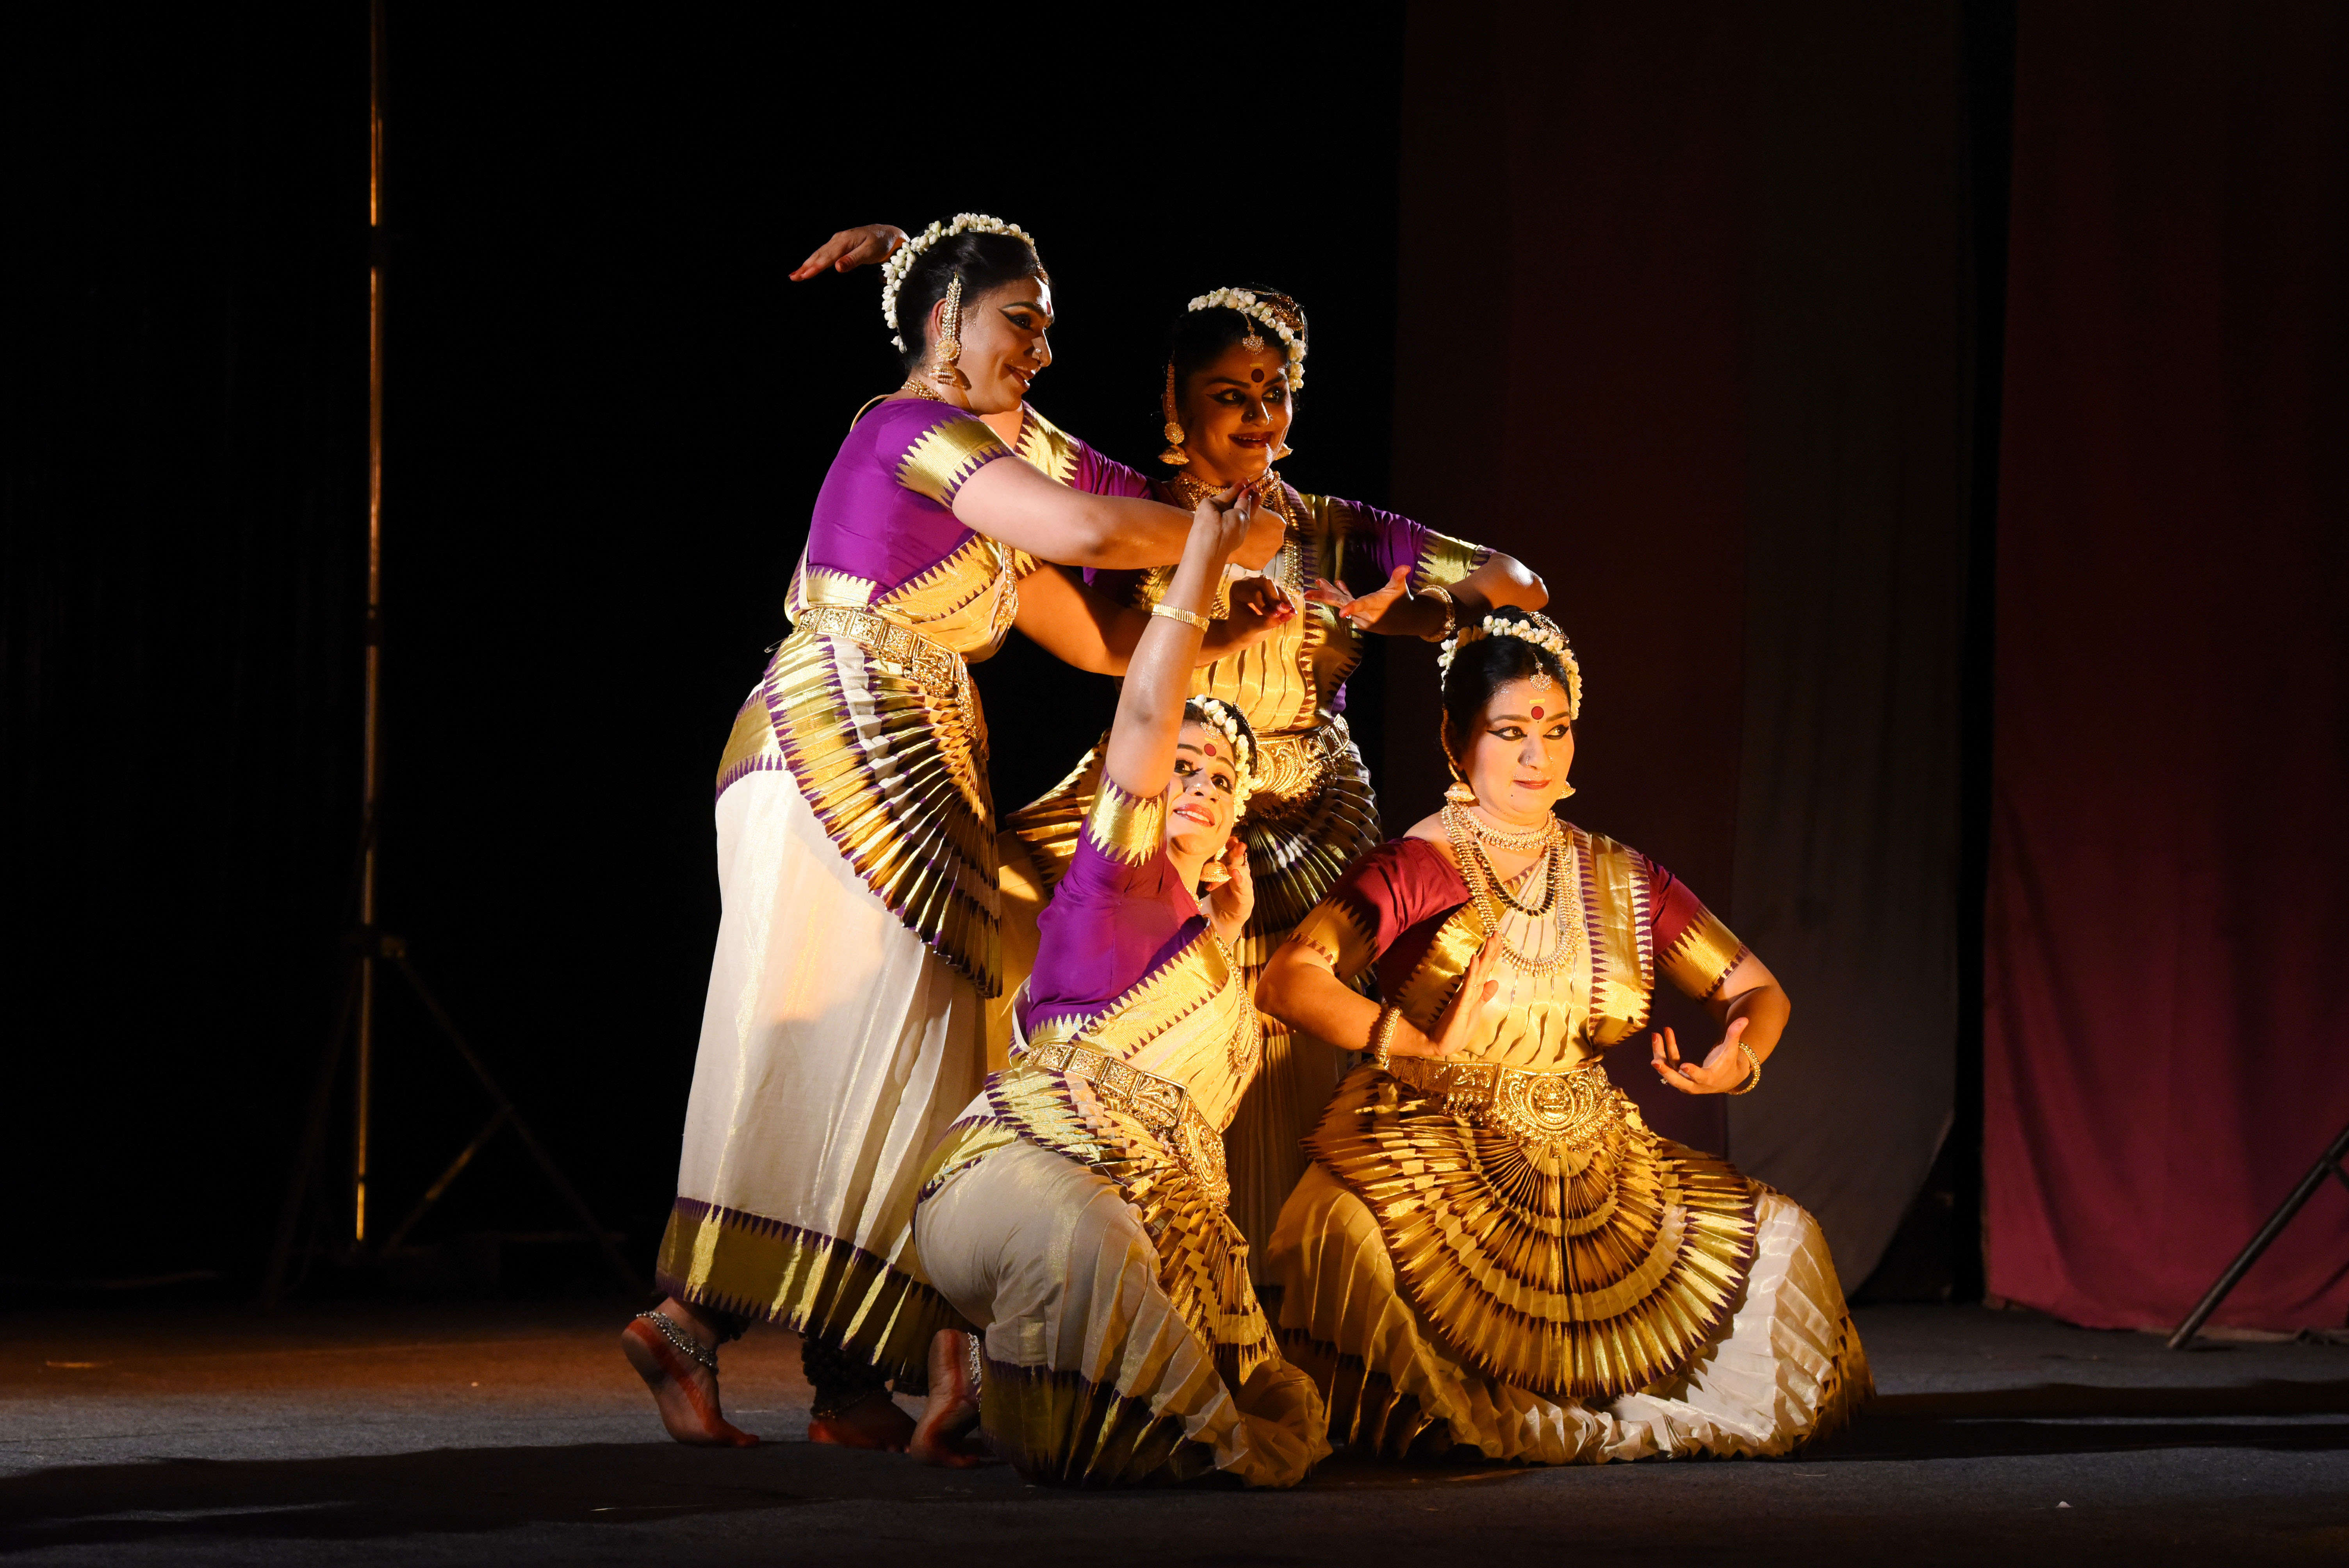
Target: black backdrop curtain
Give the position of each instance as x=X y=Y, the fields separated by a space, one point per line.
x=1713 y=379
x=608 y=414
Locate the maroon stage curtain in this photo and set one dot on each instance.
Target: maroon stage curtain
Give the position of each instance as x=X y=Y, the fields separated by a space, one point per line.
x=1681 y=325
x=2169 y=876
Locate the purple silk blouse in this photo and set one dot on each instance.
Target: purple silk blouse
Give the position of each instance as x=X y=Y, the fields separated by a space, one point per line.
x=1109 y=925
x=883 y=513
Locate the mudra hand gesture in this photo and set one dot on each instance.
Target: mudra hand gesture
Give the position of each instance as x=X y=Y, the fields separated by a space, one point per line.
x=1725 y=1070
x=1366 y=611
x=1231 y=895
x=1473 y=1006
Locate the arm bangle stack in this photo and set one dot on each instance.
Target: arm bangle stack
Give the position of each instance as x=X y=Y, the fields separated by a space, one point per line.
x=1382 y=1043
x=1755 y=1081
x=1174 y=614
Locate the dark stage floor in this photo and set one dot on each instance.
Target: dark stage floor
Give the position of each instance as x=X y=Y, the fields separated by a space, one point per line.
x=513 y=1434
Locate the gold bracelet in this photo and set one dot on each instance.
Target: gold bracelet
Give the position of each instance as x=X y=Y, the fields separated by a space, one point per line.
x=1174 y=614
x=1442 y=595
x=1754 y=1082
x=1382 y=1043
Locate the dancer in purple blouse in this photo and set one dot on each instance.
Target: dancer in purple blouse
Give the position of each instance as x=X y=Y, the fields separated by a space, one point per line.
x=1076 y=1214
x=859 y=939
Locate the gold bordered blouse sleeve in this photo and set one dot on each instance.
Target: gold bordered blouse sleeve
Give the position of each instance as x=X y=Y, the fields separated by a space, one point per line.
x=1694 y=950
x=941 y=460
x=1343 y=931
x=1126 y=828
x=1442 y=559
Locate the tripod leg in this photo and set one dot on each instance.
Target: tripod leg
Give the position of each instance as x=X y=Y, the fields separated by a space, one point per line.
x=2329 y=1161
x=621 y=1272
x=456 y=1168
x=313 y=1147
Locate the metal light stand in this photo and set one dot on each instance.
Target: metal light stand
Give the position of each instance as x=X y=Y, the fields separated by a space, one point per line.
x=2329 y=1161
x=369 y=946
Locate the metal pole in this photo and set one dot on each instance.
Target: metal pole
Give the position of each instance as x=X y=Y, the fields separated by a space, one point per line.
x=2327 y=1162
x=372 y=772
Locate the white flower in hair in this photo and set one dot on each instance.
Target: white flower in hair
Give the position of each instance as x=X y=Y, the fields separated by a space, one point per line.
x=1537 y=629
x=893 y=270
x=1245 y=301
x=1224 y=721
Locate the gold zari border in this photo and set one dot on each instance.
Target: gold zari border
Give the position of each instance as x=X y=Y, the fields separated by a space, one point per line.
x=937 y=465
x=748 y=1266
x=1060 y=1429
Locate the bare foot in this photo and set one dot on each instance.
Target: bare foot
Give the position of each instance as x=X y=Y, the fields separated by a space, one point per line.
x=874 y=1422
x=685 y=1390
x=947 y=1432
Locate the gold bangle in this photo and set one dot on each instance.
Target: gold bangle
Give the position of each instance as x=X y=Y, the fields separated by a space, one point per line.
x=1442 y=595
x=1754 y=1082
x=1382 y=1042
x=1174 y=613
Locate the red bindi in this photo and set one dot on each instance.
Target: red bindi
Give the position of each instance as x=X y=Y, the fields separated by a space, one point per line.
x=1211 y=748
x=1536 y=710
x=1255 y=375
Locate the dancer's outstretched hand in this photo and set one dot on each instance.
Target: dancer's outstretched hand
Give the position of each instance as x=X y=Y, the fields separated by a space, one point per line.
x=1260 y=607
x=1367 y=611
x=1723 y=1069
x=851 y=249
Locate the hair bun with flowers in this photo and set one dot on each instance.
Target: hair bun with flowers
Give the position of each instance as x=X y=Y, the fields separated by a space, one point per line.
x=1274 y=311
x=893 y=270
x=1526 y=626
x=1225 y=719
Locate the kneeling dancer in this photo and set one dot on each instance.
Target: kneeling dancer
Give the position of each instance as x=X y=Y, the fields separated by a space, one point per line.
x=1077 y=1211
x=1490 y=1251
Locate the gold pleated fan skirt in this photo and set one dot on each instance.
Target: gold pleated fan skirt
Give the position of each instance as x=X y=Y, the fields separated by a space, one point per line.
x=1582 y=1266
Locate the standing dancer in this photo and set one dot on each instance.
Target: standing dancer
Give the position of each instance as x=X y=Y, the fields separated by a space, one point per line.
x=856 y=853
x=1235 y=361
x=1491 y=1250
x=1077 y=1211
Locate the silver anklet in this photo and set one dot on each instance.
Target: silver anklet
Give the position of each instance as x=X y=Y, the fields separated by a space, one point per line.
x=690 y=1348
x=977 y=1360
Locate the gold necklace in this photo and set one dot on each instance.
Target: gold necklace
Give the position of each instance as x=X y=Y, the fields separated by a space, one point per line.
x=1523 y=843
x=1286 y=568
x=1477 y=873
x=920 y=388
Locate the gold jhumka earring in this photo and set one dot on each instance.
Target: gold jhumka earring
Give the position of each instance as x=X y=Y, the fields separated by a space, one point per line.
x=1460 y=792
x=949 y=373
x=1173 y=455
x=1285 y=451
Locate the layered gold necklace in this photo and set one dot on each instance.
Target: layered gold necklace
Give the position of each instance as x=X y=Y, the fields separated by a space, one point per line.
x=1558 y=914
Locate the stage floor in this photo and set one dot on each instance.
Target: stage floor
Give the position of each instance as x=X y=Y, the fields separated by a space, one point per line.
x=512 y=1433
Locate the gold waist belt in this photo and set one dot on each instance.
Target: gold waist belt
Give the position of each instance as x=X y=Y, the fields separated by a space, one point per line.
x=1158 y=1103
x=1571 y=1107
x=933 y=664
x=1288 y=766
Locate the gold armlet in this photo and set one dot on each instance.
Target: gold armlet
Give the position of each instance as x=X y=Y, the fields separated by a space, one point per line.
x=1755 y=1081
x=1443 y=597
x=1185 y=616
x=1381 y=1044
